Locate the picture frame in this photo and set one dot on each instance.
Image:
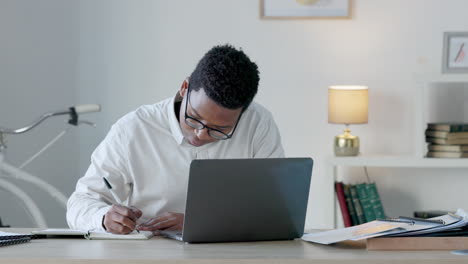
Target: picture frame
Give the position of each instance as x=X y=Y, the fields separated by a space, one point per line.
x=304 y=9
x=455 y=52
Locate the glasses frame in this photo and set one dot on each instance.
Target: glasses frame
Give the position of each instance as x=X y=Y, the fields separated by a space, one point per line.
x=203 y=126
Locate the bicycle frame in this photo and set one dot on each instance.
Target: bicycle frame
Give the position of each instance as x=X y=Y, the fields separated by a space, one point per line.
x=9 y=171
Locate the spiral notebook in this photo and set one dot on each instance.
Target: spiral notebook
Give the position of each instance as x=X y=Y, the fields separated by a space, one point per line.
x=54 y=232
x=13 y=241
x=13 y=238
x=6 y=235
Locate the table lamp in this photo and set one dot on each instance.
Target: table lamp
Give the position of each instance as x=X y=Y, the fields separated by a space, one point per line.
x=347 y=104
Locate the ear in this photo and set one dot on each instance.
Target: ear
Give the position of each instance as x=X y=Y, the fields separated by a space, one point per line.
x=184 y=87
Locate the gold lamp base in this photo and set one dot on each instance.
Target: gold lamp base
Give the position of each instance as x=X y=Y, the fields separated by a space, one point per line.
x=346 y=144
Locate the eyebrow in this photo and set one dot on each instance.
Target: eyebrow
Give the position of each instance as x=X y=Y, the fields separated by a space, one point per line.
x=199 y=116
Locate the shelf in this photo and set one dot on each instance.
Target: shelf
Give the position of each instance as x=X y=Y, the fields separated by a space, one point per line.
x=444 y=99
x=398 y=162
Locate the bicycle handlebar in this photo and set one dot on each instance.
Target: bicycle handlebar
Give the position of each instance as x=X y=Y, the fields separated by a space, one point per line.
x=73 y=111
x=87 y=108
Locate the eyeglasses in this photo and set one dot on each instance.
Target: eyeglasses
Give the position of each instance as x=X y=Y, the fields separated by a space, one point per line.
x=198 y=125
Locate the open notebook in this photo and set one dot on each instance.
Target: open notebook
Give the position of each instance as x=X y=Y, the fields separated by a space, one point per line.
x=53 y=232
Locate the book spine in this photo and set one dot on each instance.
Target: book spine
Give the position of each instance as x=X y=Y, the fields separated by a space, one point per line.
x=436 y=134
x=357 y=205
x=342 y=201
x=444 y=141
x=375 y=200
x=448 y=127
x=459 y=128
x=449 y=148
x=349 y=203
x=457 y=135
x=365 y=202
x=444 y=154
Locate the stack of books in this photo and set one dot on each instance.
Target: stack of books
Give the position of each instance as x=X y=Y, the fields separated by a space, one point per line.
x=447 y=140
x=359 y=203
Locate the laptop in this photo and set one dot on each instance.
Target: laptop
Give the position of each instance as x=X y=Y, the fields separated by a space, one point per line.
x=233 y=200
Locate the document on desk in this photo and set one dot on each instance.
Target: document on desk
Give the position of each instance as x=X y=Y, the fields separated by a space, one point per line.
x=450 y=222
x=401 y=226
x=109 y=236
x=93 y=234
x=354 y=232
x=410 y=227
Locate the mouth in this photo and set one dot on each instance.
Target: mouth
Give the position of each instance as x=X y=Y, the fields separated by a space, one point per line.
x=196 y=142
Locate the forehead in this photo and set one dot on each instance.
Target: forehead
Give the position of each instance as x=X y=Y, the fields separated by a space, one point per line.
x=210 y=111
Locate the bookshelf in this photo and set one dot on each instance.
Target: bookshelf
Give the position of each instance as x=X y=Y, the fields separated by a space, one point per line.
x=384 y=161
x=397 y=161
x=441 y=100
x=444 y=100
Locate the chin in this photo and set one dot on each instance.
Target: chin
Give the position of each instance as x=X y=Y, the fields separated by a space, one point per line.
x=196 y=143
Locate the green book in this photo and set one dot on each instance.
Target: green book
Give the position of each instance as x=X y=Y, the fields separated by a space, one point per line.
x=349 y=203
x=374 y=198
x=365 y=202
x=361 y=219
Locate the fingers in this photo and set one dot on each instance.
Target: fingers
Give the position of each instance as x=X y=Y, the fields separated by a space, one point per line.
x=117 y=228
x=175 y=228
x=162 y=222
x=124 y=211
x=159 y=218
x=138 y=213
x=159 y=224
x=120 y=219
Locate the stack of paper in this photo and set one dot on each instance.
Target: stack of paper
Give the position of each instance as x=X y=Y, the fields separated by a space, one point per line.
x=402 y=226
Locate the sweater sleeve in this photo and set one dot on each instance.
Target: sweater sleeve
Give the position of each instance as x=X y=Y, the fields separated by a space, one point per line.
x=91 y=199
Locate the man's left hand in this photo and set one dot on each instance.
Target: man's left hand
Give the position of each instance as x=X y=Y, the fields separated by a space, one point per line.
x=166 y=221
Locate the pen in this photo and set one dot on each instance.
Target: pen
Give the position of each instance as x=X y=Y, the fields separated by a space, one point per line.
x=114 y=194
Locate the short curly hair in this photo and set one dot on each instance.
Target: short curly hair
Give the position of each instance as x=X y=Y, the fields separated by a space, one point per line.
x=228 y=77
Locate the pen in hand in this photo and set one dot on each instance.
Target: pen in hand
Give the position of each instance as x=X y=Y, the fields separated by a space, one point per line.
x=114 y=194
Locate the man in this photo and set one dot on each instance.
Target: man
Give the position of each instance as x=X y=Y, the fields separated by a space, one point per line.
x=147 y=153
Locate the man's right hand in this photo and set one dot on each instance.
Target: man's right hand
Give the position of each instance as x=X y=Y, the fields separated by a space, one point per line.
x=120 y=219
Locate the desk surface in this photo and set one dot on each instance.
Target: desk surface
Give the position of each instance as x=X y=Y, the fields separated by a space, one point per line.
x=162 y=250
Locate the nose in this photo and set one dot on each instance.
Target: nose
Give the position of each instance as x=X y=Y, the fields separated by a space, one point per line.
x=202 y=134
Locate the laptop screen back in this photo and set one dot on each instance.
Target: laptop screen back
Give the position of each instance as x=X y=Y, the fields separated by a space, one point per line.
x=247 y=199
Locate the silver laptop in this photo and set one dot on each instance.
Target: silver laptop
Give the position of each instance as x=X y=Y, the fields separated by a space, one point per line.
x=245 y=200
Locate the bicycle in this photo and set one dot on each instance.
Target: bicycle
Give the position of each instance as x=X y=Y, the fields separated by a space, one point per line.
x=8 y=170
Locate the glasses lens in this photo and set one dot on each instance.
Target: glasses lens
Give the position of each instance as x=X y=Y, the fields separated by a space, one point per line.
x=194 y=123
x=217 y=134
x=199 y=125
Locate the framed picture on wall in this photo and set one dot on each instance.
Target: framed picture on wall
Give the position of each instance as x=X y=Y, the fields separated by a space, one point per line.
x=297 y=9
x=455 y=57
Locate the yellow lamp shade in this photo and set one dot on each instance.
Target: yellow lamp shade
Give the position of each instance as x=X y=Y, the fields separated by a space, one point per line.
x=348 y=104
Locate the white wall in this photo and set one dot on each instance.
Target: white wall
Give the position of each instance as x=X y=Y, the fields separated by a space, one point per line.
x=138 y=52
x=38 y=50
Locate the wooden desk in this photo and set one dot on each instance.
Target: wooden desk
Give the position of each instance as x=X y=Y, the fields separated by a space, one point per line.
x=162 y=250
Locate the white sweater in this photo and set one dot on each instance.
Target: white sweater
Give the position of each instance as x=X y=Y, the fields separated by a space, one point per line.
x=146 y=159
